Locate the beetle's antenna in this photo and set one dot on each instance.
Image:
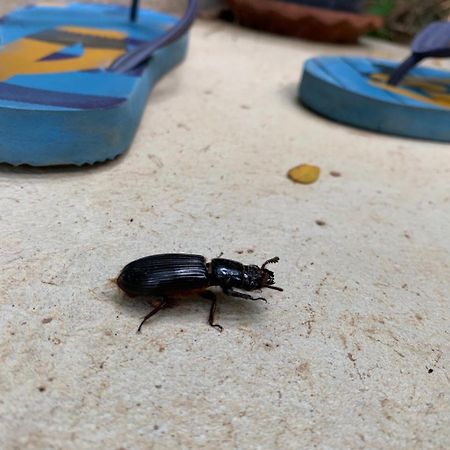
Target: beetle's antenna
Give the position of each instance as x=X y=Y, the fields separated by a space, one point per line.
x=270 y=261
x=276 y=288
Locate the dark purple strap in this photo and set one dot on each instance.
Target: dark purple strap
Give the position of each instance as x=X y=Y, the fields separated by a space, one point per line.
x=134 y=10
x=432 y=41
x=144 y=51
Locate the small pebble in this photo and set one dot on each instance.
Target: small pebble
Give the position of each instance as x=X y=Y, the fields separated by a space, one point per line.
x=304 y=174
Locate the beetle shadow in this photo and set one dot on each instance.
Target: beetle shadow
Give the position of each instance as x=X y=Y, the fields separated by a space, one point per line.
x=190 y=310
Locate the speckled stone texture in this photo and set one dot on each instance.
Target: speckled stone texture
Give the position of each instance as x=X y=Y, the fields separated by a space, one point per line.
x=353 y=354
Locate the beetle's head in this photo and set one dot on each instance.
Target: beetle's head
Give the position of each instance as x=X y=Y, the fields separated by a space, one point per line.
x=267 y=276
x=256 y=277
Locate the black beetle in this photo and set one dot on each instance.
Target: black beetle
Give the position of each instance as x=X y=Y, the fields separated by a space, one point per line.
x=182 y=275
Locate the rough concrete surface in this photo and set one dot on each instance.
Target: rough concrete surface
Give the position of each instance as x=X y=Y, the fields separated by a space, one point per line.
x=353 y=354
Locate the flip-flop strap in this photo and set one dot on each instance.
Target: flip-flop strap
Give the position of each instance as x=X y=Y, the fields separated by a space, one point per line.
x=432 y=41
x=404 y=68
x=144 y=51
x=134 y=10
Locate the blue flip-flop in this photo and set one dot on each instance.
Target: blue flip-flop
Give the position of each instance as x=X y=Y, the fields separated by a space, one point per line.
x=75 y=78
x=383 y=96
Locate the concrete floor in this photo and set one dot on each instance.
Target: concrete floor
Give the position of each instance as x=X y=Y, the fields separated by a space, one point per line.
x=353 y=354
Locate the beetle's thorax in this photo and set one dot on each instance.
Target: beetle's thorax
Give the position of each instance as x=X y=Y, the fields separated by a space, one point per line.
x=232 y=274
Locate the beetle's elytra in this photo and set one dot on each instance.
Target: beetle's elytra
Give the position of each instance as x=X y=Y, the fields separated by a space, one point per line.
x=181 y=275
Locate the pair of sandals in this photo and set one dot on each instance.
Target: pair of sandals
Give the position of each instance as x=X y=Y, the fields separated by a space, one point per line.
x=75 y=78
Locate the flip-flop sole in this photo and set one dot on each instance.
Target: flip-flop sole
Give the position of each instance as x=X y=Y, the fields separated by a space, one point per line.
x=354 y=91
x=58 y=102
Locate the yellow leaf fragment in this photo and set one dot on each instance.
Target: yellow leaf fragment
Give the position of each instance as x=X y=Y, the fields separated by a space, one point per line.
x=304 y=173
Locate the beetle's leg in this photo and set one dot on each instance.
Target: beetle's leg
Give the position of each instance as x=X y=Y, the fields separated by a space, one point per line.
x=237 y=294
x=211 y=296
x=152 y=313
